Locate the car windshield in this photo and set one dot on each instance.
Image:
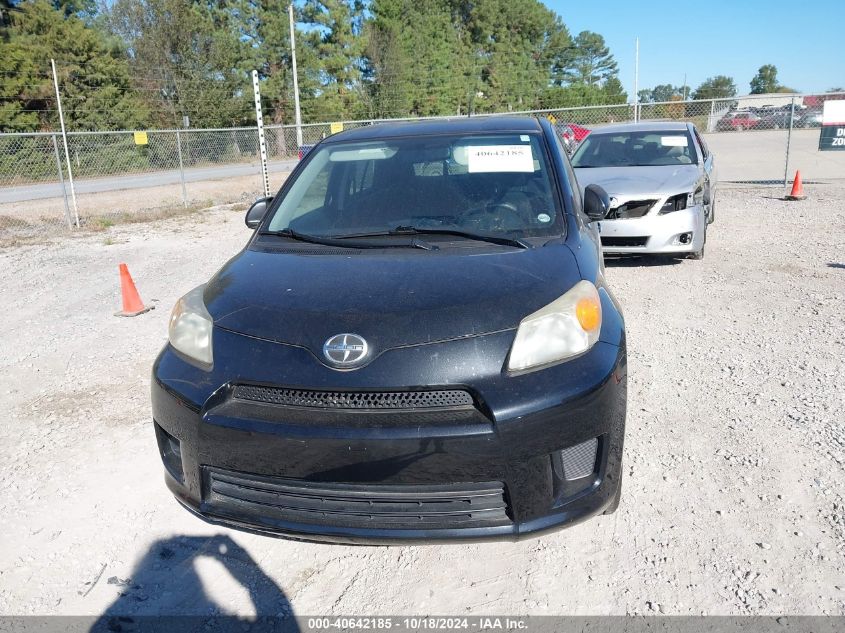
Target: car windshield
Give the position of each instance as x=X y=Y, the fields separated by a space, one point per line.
x=635 y=149
x=492 y=184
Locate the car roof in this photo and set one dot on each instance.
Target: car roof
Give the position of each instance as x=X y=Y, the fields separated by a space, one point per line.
x=457 y=125
x=649 y=126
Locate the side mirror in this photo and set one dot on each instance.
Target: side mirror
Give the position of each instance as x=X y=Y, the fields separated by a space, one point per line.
x=596 y=202
x=256 y=212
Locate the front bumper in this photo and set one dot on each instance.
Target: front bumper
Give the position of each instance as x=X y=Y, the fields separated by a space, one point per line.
x=654 y=234
x=305 y=473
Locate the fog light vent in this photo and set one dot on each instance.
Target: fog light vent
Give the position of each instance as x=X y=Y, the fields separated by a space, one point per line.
x=171 y=453
x=579 y=461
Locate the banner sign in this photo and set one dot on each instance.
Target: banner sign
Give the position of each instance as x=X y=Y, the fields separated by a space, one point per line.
x=832 y=135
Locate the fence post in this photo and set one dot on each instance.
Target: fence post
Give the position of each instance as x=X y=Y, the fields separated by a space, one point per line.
x=295 y=79
x=64 y=139
x=261 y=144
x=788 y=141
x=181 y=168
x=62 y=180
x=711 y=125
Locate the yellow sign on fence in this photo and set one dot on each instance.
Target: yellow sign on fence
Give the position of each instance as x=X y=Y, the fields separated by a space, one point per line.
x=140 y=138
x=334 y=128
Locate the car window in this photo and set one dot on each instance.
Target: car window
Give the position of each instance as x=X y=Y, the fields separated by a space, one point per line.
x=635 y=149
x=577 y=199
x=494 y=183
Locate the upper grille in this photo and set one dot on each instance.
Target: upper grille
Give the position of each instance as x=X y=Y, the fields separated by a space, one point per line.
x=631 y=209
x=398 y=506
x=394 y=400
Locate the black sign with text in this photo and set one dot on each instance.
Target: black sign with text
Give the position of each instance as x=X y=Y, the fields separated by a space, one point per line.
x=832 y=138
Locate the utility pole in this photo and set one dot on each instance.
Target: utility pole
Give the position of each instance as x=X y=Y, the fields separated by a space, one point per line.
x=64 y=140
x=295 y=79
x=637 y=81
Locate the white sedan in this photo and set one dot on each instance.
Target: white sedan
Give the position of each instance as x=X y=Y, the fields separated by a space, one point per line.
x=661 y=181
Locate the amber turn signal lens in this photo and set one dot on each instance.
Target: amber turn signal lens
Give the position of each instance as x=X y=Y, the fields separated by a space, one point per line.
x=588 y=312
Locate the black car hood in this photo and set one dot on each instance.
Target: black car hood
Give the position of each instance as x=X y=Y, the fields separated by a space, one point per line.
x=392 y=299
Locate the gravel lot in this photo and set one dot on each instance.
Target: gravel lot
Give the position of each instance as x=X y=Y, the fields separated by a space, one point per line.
x=733 y=490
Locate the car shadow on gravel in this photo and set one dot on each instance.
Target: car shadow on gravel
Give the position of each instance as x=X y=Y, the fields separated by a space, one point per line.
x=166 y=590
x=635 y=261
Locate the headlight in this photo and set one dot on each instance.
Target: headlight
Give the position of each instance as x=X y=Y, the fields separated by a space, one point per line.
x=566 y=327
x=676 y=203
x=682 y=201
x=190 y=327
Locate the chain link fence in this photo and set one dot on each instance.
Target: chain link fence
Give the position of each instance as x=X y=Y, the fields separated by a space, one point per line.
x=132 y=175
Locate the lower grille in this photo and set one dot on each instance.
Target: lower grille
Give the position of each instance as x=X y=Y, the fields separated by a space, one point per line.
x=401 y=506
x=441 y=398
x=624 y=241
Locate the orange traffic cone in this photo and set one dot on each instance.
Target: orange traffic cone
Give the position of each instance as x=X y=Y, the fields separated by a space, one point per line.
x=797 y=188
x=132 y=304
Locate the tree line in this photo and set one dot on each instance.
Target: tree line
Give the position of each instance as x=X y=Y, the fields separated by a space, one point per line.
x=132 y=64
x=718 y=87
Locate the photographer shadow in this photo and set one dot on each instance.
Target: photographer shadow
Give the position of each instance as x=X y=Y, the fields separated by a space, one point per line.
x=166 y=590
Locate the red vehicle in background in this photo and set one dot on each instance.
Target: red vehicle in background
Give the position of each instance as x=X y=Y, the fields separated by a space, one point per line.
x=738 y=121
x=571 y=134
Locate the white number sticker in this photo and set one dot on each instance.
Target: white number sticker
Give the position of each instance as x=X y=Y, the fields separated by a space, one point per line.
x=499 y=158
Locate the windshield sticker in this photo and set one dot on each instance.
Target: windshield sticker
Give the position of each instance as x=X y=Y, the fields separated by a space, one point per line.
x=544 y=217
x=499 y=158
x=673 y=141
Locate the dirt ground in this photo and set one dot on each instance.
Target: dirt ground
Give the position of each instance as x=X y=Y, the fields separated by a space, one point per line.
x=735 y=447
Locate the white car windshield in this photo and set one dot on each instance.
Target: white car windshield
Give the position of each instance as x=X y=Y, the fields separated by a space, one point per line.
x=635 y=149
x=495 y=184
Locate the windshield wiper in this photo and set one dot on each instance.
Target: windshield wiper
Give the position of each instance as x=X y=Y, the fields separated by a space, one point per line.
x=344 y=243
x=412 y=230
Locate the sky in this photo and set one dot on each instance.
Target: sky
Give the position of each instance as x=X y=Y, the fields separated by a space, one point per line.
x=806 y=41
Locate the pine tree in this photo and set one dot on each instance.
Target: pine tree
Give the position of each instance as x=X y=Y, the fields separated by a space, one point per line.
x=336 y=38
x=590 y=61
x=92 y=71
x=189 y=59
x=518 y=43
x=614 y=91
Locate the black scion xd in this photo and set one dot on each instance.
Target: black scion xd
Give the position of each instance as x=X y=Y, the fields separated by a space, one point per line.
x=416 y=343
